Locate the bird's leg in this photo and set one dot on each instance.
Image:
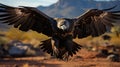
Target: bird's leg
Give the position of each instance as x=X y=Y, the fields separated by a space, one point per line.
x=69 y=45
x=55 y=46
x=66 y=56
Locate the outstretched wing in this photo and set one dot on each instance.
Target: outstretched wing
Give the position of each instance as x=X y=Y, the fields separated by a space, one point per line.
x=26 y=18
x=94 y=22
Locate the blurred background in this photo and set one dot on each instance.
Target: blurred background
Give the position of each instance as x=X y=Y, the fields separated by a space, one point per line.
x=106 y=45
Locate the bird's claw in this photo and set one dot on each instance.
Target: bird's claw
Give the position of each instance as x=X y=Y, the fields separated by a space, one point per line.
x=55 y=52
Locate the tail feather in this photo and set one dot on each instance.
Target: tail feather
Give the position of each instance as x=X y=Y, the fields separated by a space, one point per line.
x=46 y=46
x=72 y=47
x=65 y=49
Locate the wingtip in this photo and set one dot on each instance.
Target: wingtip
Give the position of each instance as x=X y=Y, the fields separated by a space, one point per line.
x=5 y=6
x=1 y=4
x=115 y=11
x=110 y=8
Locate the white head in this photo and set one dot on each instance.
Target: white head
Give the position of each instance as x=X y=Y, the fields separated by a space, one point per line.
x=63 y=24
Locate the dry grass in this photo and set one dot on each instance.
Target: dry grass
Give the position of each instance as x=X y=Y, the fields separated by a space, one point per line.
x=115 y=40
x=14 y=34
x=31 y=37
x=35 y=38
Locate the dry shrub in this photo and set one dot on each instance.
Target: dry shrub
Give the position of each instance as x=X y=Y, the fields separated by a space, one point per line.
x=115 y=41
x=33 y=37
x=16 y=34
x=26 y=65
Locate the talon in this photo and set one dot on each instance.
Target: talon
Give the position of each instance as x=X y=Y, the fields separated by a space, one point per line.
x=55 y=52
x=66 y=56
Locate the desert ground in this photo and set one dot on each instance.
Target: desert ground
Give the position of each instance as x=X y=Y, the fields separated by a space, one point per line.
x=88 y=59
x=83 y=58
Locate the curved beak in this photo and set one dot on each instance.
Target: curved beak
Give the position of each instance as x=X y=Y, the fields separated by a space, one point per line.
x=63 y=27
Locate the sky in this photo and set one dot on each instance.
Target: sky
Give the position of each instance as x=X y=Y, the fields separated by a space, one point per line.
x=33 y=3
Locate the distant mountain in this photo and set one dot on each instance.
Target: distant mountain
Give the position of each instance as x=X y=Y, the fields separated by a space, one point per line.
x=74 y=8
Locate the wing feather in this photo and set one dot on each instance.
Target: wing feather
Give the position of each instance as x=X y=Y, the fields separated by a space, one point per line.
x=26 y=18
x=94 y=22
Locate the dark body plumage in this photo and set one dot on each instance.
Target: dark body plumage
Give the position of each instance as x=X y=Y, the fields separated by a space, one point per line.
x=61 y=30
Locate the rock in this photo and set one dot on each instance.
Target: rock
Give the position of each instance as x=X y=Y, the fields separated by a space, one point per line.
x=103 y=53
x=106 y=37
x=3 y=52
x=17 y=48
x=113 y=57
